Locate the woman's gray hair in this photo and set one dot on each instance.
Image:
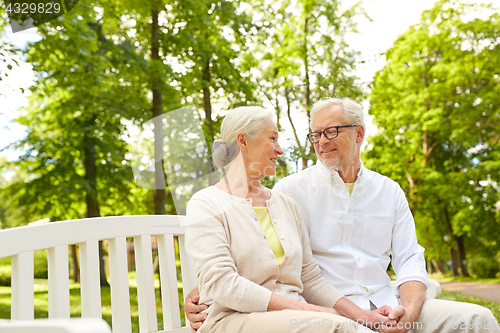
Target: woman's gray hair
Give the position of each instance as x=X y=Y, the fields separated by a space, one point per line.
x=246 y=119
x=352 y=110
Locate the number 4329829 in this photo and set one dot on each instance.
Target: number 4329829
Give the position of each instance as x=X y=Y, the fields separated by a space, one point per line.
x=32 y=8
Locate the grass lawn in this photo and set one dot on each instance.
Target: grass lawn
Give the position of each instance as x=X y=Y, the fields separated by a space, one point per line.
x=459 y=297
x=42 y=305
x=462 y=279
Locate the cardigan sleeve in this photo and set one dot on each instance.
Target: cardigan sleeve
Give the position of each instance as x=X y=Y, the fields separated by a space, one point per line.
x=317 y=290
x=218 y=279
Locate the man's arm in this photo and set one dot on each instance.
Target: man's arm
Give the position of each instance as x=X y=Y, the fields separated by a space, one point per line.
x=412 y=295
x=409 y=265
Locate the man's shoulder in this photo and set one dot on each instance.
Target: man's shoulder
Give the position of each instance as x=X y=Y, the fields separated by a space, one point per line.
x=376 y=177
x=283 y=197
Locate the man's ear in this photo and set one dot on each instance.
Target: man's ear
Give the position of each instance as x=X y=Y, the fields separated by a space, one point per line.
x=241 y=141
x=360 y=133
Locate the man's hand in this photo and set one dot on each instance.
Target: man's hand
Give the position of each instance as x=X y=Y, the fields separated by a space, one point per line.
x=193 y=310
x=412 y=297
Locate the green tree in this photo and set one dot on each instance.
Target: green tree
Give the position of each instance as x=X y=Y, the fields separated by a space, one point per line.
x=304 y=58
x=437 y=108
x=86 y=84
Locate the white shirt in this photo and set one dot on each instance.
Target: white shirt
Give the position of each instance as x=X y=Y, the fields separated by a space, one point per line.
x=353 y=236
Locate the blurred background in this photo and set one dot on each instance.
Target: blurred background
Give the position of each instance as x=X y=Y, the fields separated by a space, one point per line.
x=426 y=73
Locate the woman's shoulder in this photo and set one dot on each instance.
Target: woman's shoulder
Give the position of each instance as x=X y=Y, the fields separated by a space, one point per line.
x=204 y=194
x=284 y=199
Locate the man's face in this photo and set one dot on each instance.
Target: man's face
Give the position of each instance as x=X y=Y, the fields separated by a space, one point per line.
x=343 y=151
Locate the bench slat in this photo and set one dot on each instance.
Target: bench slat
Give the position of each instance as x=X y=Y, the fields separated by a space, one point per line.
x=120 y=297
x=90 y=286
x=57 y=262
x=188 y=277
x=145 y=284
x=22 y=304
x=168 y=280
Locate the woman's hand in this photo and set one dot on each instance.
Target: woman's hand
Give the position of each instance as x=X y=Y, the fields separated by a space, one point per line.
x=379 y=318
x=371 y=319
x=193 y=310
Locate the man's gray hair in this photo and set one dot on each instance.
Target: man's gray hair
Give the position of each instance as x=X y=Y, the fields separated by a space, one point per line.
x=352 y=110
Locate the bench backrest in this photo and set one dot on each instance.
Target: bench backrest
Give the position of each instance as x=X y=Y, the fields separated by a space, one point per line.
x=19 y=244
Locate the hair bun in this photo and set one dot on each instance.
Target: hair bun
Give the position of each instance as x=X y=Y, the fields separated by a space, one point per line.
x=224 y=152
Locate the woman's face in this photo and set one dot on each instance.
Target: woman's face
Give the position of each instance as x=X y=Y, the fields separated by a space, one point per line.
x=262 y=151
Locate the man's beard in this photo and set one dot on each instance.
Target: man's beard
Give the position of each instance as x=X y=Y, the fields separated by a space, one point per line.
x=332 y=164
x=342 y=163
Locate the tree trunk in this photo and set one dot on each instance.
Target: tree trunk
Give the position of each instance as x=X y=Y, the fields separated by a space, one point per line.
x=209 y=122
x=459 y=261
x=160 y=185
x=76 y=266
x=436 y=266
x=459 y=241
x=454 y=263
x=91 y=193
x=307 y=92
x=207 y=105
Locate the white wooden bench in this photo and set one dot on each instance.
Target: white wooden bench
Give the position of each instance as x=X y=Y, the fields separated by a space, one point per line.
x=19 y=244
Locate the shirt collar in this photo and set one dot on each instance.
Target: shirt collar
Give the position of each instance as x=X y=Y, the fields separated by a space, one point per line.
x=333 y=175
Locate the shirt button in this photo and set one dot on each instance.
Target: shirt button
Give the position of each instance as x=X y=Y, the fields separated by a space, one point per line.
x=359 y=258
x=275 y=221
x=288 y=256
x=264 y=237
x=282 y=238
x=346 y=239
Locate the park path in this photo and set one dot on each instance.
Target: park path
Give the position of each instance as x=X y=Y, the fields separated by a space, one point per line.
x=485 y=290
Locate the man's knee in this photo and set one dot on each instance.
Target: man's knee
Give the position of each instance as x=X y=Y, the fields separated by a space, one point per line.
x=483 y=313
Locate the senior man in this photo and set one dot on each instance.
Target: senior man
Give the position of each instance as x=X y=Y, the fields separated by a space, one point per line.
x=359 y=219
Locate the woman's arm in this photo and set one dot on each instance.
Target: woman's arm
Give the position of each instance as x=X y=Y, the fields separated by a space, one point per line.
x=278 y=303
x=208 y=247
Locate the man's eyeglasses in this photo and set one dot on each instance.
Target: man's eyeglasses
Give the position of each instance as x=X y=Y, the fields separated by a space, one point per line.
x=330 y=133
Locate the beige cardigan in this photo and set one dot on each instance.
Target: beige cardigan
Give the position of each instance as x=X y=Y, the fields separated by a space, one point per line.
x=234 y=264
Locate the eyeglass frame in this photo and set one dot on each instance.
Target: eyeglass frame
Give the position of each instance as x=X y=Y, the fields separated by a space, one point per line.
x=326 y=129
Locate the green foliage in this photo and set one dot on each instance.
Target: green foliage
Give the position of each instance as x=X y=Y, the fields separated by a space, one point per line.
x=481 y=267
x=40 y=268
x=87 y=84
x=436 y=104
x=5 y=275
x=300 y=55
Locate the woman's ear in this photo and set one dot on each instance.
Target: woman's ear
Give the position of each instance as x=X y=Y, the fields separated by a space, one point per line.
x=241 y=141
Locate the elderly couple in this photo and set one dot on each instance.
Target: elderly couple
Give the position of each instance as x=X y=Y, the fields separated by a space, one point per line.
x=311 y=254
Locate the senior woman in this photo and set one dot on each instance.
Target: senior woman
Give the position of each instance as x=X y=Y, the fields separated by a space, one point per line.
x=250 y=245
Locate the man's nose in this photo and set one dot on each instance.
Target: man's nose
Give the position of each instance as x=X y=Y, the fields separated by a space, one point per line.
x=323 y=139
